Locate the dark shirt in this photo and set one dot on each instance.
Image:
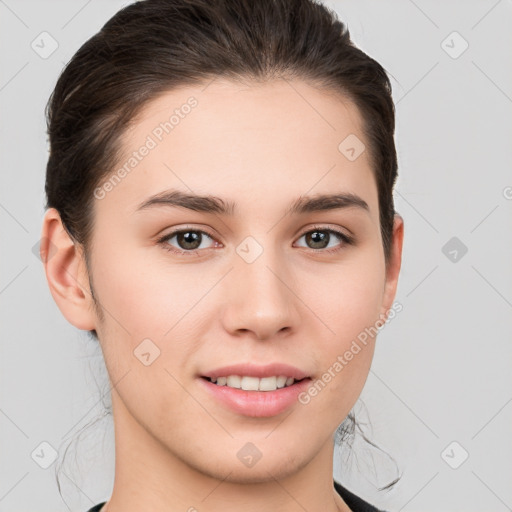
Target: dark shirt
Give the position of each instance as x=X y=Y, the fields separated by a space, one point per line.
x=355 y=503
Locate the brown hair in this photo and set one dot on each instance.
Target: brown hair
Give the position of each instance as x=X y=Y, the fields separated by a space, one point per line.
x=153 y=46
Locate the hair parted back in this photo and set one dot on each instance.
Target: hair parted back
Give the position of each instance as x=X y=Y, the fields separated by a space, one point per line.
x=153 y=46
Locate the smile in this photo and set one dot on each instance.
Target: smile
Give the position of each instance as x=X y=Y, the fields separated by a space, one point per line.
x=248 y=383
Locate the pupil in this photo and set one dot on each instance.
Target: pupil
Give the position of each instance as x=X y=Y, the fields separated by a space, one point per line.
x=188 y=240
x=319 y=239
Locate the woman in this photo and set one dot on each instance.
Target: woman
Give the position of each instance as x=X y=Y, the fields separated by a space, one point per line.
x=220 y=218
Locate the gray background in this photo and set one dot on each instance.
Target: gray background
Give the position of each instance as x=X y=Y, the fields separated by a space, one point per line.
x=440 y=387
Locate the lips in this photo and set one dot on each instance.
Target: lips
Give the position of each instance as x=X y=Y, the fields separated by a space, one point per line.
x=252 y=402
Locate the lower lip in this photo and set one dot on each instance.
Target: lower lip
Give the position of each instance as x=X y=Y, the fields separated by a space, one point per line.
x=257 y=404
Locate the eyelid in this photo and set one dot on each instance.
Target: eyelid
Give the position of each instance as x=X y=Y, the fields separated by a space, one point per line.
x=346 y=239
x=327 y=227
x=164 y=238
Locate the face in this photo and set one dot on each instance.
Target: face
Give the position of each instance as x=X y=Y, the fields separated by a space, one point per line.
x=188 y=291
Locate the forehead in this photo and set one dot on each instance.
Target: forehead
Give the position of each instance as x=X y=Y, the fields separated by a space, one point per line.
x=258 y=141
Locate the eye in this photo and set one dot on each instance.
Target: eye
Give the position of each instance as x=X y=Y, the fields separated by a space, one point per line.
x=188 y=241
x=319 y=238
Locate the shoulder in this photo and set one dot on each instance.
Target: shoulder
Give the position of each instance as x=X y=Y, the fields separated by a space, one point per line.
x=97 y=507
x=355 y=503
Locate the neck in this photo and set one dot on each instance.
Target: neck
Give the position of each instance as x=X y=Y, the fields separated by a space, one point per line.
x=149 y=477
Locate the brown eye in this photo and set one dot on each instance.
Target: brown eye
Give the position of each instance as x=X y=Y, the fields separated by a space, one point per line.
x=317 y=239
x=191 y=241
x=187 y=240
x=320 y=238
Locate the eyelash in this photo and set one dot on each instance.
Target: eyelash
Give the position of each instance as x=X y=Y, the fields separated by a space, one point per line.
x=347 y=240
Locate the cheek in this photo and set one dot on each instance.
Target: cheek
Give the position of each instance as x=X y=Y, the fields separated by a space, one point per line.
x=351 y=298
x=145 y=302
x=350 y=308
x=152 y=318
x=146 y=297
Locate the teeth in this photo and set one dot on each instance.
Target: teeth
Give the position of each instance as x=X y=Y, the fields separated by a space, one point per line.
x=250 y=383
x=254 y=383
x=281 y=381
x=268 y=384
x=234 y=381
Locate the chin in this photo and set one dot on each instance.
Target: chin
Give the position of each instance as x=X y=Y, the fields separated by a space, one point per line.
x=266 y=469
x=260 y=475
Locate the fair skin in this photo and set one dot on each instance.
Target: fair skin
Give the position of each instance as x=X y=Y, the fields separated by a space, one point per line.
x=261 y=146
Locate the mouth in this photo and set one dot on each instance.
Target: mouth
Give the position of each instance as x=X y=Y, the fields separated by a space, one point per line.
x=255 y=391
x=248 y=383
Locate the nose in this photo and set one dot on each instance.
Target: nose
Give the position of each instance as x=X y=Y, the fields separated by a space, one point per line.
x=261 y=300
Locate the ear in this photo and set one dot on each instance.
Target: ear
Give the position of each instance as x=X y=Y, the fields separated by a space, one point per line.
x=66 y=273
x=394 y=264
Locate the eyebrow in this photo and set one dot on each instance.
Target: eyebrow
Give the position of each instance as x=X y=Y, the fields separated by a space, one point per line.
x=217 y=205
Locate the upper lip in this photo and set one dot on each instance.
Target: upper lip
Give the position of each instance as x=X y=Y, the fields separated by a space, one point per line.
x=252 y=370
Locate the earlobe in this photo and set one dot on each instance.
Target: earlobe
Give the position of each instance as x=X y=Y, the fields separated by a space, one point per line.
x=66 y=272
x=394 y=265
